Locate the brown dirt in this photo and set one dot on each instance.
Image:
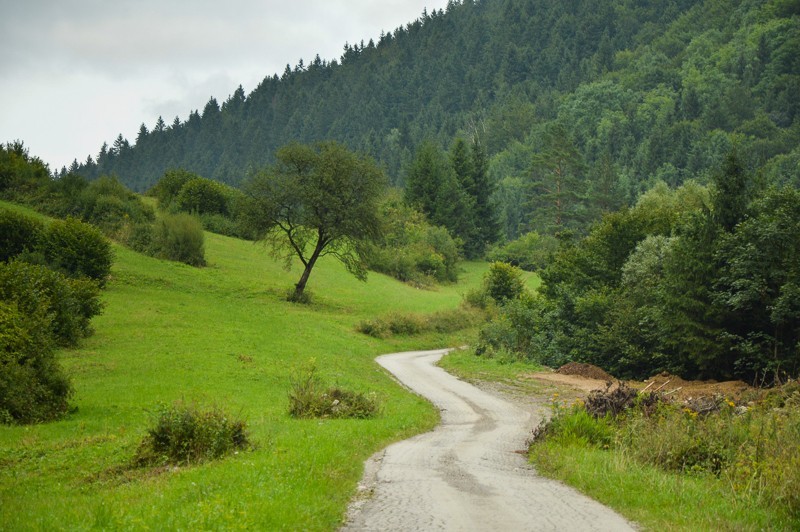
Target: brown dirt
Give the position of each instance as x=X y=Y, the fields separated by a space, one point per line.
x=683 y=390
x=585 y=378
x=585 y=370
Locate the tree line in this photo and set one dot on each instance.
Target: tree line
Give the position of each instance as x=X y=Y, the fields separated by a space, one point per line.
x=634 y=93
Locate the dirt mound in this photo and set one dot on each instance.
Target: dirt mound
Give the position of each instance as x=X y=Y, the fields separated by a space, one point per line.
x=684 y=390
x=584 y=370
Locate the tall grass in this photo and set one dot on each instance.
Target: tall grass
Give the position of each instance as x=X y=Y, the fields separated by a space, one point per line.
x=741 y=462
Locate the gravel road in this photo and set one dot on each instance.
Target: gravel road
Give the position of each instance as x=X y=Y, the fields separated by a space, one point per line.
x=466 y=474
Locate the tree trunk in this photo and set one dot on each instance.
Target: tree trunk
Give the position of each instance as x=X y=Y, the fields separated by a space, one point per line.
x=300 y=287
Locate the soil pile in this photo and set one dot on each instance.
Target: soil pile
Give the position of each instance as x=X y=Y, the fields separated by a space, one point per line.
x=684 y=390
x=585 y=370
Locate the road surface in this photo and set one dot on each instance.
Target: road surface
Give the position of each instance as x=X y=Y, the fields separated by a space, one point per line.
x=468 y=473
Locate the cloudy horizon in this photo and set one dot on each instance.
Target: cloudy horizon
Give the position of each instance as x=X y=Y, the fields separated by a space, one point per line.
x=78 y=74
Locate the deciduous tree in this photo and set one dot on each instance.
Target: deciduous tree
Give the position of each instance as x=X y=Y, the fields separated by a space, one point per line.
x=315 y=201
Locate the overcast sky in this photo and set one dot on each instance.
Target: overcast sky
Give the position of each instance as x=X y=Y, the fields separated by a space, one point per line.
x=75 y=74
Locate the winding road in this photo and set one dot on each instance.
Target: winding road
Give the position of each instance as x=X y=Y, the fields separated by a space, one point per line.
x=466 y=474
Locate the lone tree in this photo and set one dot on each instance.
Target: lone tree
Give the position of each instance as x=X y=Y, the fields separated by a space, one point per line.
x=316 y=200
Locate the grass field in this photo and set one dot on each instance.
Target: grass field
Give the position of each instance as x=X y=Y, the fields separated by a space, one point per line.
x=224 y=336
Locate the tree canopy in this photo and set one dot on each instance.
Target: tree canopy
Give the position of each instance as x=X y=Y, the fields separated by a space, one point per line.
x=317 y=200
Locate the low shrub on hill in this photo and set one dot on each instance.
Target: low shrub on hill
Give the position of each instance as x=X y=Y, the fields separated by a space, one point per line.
x=309 y=397
x=69 y=304
x=411 y=249
x=40 y=308
x=77 y=249
x=186 y=434
x=400 y=323
x=179 y=237
x=18 y=234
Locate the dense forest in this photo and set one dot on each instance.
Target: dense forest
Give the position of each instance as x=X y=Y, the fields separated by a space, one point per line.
x=581 y=106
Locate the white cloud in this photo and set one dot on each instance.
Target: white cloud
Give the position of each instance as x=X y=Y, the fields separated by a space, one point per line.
x=76 y=74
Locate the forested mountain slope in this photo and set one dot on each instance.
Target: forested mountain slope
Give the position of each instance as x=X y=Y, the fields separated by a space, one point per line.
x=641 y=89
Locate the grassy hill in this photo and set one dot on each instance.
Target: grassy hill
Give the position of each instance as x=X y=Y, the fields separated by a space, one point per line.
x=224 y=336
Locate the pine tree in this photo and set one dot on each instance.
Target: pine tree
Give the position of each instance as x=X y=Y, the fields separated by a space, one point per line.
x=485 y=213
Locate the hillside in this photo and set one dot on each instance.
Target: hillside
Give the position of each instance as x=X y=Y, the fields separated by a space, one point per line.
x=646 y=90
x=221 y=335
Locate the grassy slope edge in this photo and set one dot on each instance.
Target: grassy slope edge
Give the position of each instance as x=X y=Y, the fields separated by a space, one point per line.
x=220 y=335
x=646 y=495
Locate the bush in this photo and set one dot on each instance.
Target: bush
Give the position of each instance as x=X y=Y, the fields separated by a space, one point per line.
x=78 y=249
x=18 y=234
x=33 y=387
x=170 y=185
x=310 y=398
x=399 y=323
x=530 y=252
x=179 y=237
x=412 y=250
x=184 y=434
x=202 y=196
x=503 y=282
x=69 y=304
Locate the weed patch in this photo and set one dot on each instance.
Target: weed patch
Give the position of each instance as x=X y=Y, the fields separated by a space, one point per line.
x=309 y=397
x=749 y=452
x=409 y=324
x=185 y=434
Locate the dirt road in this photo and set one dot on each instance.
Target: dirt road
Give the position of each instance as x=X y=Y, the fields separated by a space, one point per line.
x=465 y=474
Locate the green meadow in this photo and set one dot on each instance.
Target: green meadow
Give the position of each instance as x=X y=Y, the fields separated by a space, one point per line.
x=218 y=336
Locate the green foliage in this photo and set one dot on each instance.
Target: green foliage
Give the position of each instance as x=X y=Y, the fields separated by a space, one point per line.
x=503 y=282
x=318 y=200
x=410 y=249
x=202 y=196
x=186 y=434
x=169 y=186
x=698 y=284
x=310 y=398
x=758 y=285
x=21 y=175
x=68 y=303
x=179 y=237
x=77 y=249
x=18 y=234
x=575 y=426
x=530 y=252
x=454 y=192
x=409 y=324
x=747 y=453
x=40 y=309
x=33 y=386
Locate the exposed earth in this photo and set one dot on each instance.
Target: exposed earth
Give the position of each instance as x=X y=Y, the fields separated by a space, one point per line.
x=584 y=378
x=470 y=473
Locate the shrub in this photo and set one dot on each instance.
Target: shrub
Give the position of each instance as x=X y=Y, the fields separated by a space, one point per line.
x=78 y=249
x=399 y=323
x=530 y=252
x=69 y=304
x=169 y=186
x=185 y=434
x=33 y=387
x=503 y=282
x=310 y=398
x=18 y=233
x=202 y=196
x=411 y=249
x=179 y=237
